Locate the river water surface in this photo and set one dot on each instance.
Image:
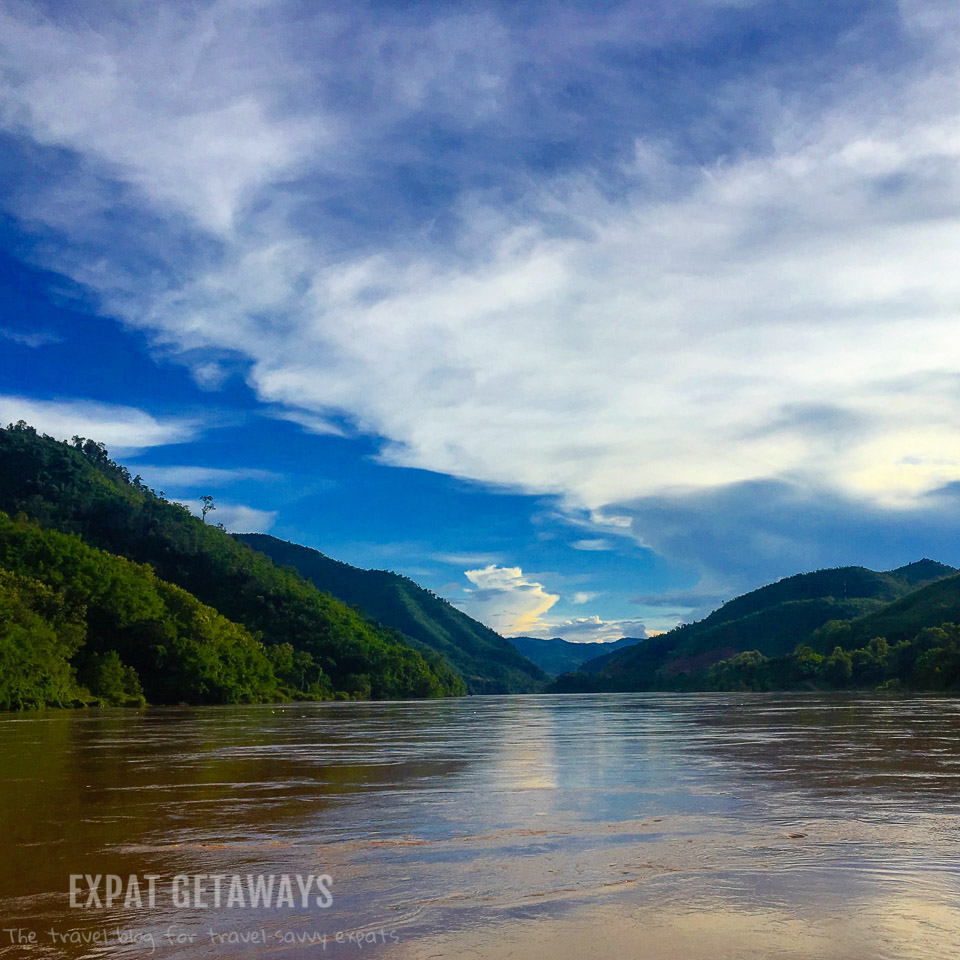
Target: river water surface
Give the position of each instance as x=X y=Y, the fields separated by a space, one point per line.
x=622 y=826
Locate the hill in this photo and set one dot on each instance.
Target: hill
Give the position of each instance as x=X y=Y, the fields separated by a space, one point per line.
x=928 y=606
x=486 y=662
x=77 y=623
x=771 y=620
x=76 y=488
x=556 y=656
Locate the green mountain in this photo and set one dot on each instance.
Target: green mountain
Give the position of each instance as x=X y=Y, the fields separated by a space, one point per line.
x=908 y=644
x=929 y=606
x=487 y=662
x=556 y=656
x=77 y=623
x=771 y=621
x=76 y=488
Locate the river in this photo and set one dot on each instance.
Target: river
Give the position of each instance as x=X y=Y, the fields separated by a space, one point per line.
x=688 y=827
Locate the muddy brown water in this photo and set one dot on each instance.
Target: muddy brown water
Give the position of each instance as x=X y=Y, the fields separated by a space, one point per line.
x=648 y=826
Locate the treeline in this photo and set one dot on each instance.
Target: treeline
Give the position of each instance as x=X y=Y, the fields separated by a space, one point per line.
x=930 y=661
x=145 y=600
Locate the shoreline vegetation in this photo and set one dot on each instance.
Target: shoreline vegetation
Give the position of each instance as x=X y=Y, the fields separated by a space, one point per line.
x=112 y=595
x=930 y=663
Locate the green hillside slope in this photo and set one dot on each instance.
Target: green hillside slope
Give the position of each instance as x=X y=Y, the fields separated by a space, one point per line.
x=72 y=617
x=78 y=489
x=487 y=662
x=928 y=606
x=771 y=620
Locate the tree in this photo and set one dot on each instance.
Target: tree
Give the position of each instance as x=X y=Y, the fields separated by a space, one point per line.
x=208 y=505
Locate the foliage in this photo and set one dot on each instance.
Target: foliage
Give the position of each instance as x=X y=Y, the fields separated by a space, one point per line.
x=929 y=661
x=109 y=680
x=76 y=488
x=935 y=603
x=130 y=633
x=487 y=662
x=38 y=637
x=820 y=609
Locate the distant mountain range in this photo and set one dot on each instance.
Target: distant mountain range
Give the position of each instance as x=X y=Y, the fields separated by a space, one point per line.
x=556 y=656
x=846 y=606
x=486 y=661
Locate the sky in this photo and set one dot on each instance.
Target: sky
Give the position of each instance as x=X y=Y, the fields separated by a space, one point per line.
x=586 y=316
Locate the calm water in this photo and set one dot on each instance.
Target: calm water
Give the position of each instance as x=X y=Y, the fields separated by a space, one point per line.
x=601 y=826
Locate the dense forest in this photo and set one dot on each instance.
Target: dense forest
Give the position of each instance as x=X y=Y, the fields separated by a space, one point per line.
x=81 y=624
x=487 y=662
x=243 y=628
x=893 y=630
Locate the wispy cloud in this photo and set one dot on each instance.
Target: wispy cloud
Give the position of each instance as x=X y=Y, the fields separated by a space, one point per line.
x=467 y=559
x=29 y=338
x=593 y=545
x=742 y=274
x=237 y=517
x=122 y=429
x=174 y=477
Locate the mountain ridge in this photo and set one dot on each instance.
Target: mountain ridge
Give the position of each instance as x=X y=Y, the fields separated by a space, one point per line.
x=771 y=620
x=77 y=489
x=487 y=662
x=557 y=656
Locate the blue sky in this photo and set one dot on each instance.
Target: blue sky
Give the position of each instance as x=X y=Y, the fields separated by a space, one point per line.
x=586 y=316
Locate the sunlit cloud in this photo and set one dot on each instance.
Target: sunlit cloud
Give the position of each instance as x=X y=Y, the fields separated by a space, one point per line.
x=504 y=599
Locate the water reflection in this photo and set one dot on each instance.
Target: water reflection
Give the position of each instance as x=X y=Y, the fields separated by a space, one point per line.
x=744 y=825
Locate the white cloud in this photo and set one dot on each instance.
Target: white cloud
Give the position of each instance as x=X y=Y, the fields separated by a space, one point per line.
x=582 y=597
x=173 y=477
x=193 y=132
x=237 y=517
x=504 y=599
x=592 y=630
x=122 y=429
x=784 y=313
x=594 y=545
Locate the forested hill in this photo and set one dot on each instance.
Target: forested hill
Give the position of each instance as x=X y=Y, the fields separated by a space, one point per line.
x=487 y=662
x=556 y=656
x=929 y=606
x=77 y=623
x=771 y=620
x=76 y=488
